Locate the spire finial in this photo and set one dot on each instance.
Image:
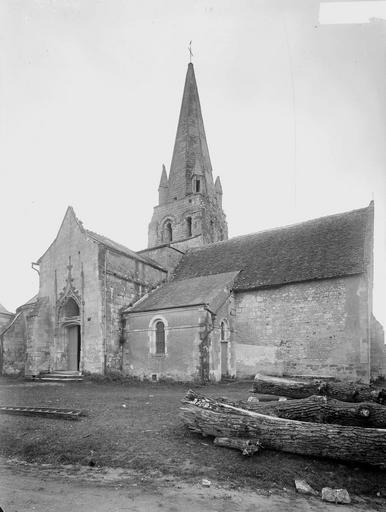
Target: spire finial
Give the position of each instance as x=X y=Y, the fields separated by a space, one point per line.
x=190 y=52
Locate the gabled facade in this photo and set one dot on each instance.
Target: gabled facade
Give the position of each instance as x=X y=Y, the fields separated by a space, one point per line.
x=85 y=279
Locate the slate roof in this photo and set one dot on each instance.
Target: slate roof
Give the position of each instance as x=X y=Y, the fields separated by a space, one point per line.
x=320 y=248
x=209 y=290
x=121 y=248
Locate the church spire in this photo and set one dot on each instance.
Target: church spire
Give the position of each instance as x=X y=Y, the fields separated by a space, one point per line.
x=163 y=187
x=190 y=161
x=189 y=211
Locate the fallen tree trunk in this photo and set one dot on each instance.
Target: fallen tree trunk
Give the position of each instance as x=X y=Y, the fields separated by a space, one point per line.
x=346 y=443
x=246 y=446
x=318 y=409
x=294 y=388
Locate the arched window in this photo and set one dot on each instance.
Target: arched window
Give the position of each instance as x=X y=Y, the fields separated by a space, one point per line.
x=188 y=226
x=159 y=338
x=70 y=308
x=168 y=232
x=224 y=331
x=196 y=182
x=222 y=328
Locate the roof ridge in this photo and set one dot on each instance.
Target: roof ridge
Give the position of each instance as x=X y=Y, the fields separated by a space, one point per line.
x=98 y=237
x=277 y=228
x=333 y=245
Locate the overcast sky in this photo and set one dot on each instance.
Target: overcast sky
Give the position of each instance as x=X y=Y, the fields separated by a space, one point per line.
x=90 y=93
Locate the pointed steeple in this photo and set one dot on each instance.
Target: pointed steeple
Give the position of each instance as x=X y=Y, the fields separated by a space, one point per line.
x=164 y=177
x=191 y=155
x=163 y=187
x=218 y=189
x=189 y=210
x=218 y=186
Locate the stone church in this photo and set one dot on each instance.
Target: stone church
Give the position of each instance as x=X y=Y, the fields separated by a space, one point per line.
x=196 y=305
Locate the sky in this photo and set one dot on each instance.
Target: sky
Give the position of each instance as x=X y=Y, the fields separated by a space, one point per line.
x=90 y=92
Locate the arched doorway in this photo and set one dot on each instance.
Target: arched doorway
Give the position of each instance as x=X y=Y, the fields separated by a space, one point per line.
x=71 y=333
x=73 y=342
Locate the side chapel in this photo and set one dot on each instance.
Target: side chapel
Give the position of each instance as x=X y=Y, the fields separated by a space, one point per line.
x=196 y=305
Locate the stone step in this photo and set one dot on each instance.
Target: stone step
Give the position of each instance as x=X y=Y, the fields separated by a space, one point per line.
x=60 y=379
x=64 y=372
x=61 y=375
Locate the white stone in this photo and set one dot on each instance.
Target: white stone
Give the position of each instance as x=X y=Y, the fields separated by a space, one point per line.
x=304 y=488
x=335 y=495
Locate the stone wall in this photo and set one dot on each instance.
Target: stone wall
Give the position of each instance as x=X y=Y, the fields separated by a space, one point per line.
x=316 y=328
x=68 y=268
x=100 y=281
x=378 y=350
x=5 y=319
x=165 y=255
x=182 y=338
x=207 y=216
x=125 y=281
x=191 y=333
x=14 y=342
x=225 y=313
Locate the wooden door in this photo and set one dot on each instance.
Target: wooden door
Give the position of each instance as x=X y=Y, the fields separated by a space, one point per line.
x=224 y=358
x=73 y=347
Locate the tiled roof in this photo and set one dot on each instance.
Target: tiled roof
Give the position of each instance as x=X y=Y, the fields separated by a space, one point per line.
x=209 y=290
x=121 y=248
x=321 y=248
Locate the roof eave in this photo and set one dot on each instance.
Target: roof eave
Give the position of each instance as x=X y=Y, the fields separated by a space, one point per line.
x=163 y=308
x=237 y=289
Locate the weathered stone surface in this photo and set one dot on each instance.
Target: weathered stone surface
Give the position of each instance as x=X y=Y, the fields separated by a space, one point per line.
x=335 y=495
x=316 y=328
x=98 y=277
x=304 y=488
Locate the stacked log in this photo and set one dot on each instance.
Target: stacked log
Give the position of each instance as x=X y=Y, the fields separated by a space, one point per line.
x=318 y=409
x=345 y=443
x=298 y=388
x=247 y=446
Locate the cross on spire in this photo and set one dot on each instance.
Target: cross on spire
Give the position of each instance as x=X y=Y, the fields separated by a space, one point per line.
x=190 y=52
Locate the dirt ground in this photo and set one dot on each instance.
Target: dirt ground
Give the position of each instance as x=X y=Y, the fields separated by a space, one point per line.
x=29 y=487
x=136 y=427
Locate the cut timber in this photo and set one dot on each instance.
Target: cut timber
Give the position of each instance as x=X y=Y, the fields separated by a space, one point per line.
x=293 y=388
x=246 y=446
x=346 y=443
x=318 y=409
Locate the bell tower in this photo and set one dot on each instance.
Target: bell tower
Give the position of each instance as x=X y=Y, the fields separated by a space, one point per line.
x=189 y=211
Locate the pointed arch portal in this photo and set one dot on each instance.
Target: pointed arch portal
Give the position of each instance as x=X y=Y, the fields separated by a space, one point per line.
x=70 y=333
